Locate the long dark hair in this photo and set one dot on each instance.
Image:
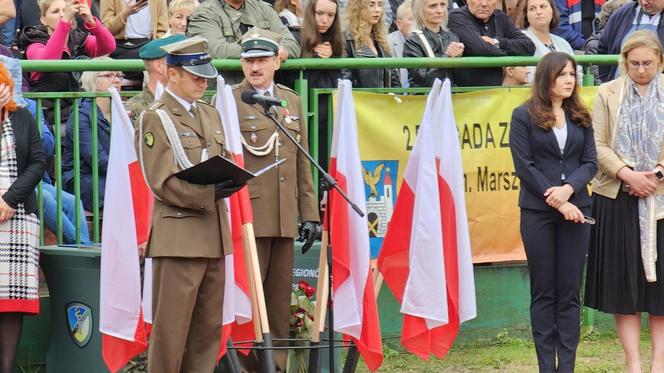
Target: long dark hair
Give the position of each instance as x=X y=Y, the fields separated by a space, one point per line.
x=540 y=105
x=311 y=37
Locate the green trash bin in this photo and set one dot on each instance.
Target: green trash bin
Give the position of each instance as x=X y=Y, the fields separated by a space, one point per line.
x=72 y=275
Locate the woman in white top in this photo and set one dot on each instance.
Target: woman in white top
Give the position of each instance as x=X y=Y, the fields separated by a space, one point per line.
x=290 y=12
x=539 y=19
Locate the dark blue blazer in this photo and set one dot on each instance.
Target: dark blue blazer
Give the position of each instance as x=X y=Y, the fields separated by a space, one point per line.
x=85 y=149
x=540 y=165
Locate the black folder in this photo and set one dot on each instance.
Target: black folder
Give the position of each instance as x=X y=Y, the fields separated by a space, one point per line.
x=219 y=169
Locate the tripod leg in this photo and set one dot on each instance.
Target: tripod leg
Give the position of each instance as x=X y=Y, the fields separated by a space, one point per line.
x=230 y=360
x=351 y=359
x=314 y=358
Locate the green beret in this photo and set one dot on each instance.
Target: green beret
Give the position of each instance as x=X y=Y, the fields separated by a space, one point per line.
x=152 y=50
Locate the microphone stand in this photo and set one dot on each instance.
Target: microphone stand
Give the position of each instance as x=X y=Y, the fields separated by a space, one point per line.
x=327 y=184
x=329 y=181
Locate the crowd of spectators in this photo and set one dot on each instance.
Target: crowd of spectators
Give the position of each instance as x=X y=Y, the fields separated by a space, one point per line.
x=84 y=29
x=476 y=28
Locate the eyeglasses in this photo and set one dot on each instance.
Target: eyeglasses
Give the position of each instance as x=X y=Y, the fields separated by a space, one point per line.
x=645 y=64
x=111 y=76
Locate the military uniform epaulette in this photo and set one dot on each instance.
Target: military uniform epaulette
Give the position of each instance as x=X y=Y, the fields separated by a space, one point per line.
x=236 y=86
x=155 y=105
x=286 y=88
x=200 y=101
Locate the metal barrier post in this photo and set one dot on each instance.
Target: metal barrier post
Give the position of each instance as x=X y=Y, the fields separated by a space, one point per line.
x=95 y=172
x=57 y=129
x=77 y=165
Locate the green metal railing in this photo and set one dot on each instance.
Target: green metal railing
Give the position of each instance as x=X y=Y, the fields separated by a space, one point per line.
x=317 y=63
x=58 y=128
x=311 y=99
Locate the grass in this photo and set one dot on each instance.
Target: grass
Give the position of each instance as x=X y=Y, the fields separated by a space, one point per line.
x=597 y=353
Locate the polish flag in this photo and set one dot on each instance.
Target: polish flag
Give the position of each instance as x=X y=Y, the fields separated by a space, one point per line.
x=355 y=311
x=426 y=255
x=237 y=314
x=121 y=320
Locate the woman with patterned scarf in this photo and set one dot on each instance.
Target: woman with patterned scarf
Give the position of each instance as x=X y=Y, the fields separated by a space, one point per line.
x=624 y=275
x=22 y=164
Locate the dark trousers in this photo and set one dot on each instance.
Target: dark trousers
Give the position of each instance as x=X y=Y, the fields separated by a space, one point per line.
x=556 y=250
x=275 y=256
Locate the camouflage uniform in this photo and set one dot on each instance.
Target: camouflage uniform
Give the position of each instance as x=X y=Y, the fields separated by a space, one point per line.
x=138 y=104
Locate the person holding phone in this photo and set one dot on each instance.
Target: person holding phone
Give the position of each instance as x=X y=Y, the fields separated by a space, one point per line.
x=58 y=38
x=625 y=274
x=133 y=24
x=553 y=148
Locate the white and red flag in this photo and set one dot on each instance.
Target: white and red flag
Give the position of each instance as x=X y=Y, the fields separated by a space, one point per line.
x=355 y=310
x=237 y=313
x=426 y=255
x=121 y=319
x=147 y=263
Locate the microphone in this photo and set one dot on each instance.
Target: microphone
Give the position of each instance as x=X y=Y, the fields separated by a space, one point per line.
x=252 y=97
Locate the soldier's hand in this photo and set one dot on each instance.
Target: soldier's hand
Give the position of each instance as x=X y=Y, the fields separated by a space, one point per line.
x=308 y=233
x=225 y=189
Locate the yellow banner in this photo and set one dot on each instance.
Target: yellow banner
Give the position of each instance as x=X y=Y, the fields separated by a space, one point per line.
x=387 y=127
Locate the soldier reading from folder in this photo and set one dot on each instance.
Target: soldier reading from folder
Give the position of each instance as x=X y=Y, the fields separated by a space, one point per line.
x=190 y=232
x=283 y=193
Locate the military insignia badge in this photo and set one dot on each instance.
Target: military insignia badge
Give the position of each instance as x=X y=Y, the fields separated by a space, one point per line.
x=298 y=137
x=148 y=138
x=287 y=117
x=79 y=321
x=253 y=137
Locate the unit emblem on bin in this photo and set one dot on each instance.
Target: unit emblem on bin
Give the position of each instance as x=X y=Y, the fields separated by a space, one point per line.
x=79 y=321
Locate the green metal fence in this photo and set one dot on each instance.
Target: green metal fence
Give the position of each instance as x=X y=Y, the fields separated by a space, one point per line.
x=310 y=100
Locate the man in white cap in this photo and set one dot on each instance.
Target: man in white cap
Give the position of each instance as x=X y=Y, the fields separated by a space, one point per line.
x=190 y=232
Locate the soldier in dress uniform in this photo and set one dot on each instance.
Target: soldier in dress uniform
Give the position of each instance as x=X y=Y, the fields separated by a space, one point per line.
x=190 y=231
x=154 y=59
x=282 y=194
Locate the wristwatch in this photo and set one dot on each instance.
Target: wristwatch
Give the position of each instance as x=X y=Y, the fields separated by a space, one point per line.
x=659 y=174
x=496 y=43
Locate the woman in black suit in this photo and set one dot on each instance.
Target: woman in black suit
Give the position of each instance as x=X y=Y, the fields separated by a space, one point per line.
x=553 y=149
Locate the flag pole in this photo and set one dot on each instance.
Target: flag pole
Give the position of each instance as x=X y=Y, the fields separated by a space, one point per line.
x=259 y=310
